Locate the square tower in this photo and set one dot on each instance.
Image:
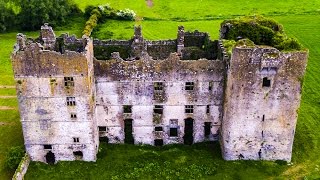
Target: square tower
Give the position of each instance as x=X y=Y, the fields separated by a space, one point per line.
x=56 y=93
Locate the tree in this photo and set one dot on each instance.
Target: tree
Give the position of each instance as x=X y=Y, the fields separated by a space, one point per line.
x=35 y=13
x=13 y=157
x=7 y=17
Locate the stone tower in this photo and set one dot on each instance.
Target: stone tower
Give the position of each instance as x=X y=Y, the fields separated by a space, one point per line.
x=262 y=97
x=56 y=94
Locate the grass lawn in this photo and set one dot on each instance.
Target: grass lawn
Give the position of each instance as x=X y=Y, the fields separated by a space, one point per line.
x=300 y=19
x=147 y=162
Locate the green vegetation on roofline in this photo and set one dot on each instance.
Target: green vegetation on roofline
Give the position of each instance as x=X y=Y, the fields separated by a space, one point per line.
x=260 y=30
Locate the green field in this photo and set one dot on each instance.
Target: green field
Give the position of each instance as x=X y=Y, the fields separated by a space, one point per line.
x=301 y=19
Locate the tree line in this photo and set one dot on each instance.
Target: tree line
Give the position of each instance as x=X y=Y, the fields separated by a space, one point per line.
x=29 y=15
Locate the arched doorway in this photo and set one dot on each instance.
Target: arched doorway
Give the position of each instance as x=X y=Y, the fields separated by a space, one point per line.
x=50 y=158
x=188 y=131
x=78 y=155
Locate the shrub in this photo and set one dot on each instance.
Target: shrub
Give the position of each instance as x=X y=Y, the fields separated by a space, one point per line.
x=289 y=45
x=7 y=17
x=14 y=157
x=34 y=12
x=260 y=30
x=126 y=14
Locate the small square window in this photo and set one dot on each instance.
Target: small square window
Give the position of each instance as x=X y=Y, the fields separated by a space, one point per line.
x=173 y=132
x=266 y=82
x=71 y=101
x=76 y=139
x=73 y=116
x=158 y=109
x=47 y=147
x=189 y=86
x=68 y=81
x=102 y=128
x=158 y=128
x=208 y=109
x=189 y=109
x=127 y=109
x=158 y=86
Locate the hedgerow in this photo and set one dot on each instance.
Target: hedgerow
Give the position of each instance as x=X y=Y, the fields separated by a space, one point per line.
x=101 y=13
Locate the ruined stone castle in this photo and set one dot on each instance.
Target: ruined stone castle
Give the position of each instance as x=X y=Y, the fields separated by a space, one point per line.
x=74 y=93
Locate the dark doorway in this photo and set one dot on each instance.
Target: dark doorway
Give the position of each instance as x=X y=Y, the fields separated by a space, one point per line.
x=158 y=142
x=50 y=158
x=104 y=139
x=207 y=129
x=78 y=155
x=128 y=137
x=188 y=131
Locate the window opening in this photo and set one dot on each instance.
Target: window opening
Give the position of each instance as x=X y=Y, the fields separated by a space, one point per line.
x=208 y=109
x=173 y=132
x=189 y=86
x=127 y=109
x=158 y=128
x=76 y=139
x=71 y=101
x=266 y=82
x=158 y=109
x=189 y=109
x=210 y=85
x=158 y=86
x=47 y=146
x=102 y=128
x=68 y=81
x=73 y=116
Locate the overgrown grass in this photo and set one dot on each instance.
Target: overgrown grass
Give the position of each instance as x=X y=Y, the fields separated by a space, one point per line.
x=10 y=135
x=146 y=162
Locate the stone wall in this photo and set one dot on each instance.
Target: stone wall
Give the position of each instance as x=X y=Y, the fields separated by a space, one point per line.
x=261 y=101
x=22 y=168
x=131 y=83
x=161 y=49
x=104 y=48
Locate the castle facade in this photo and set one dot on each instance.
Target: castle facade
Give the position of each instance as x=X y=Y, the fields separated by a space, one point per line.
x=74 y=93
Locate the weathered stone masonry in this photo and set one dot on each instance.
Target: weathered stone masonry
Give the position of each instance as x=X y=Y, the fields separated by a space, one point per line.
x=154 y=92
